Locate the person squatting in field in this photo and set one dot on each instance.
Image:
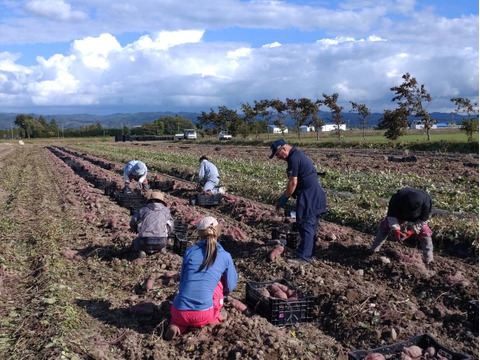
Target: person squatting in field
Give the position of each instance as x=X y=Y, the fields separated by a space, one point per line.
x=408 y=213
x=207 y=274
x=208 y=177
x=153 y=223
x=135 y=170
x=311 y=199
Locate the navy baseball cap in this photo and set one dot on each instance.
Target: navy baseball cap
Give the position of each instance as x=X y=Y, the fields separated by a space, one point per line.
x=277 y=144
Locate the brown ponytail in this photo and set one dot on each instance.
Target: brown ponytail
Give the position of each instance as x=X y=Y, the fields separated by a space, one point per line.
x=210 y=234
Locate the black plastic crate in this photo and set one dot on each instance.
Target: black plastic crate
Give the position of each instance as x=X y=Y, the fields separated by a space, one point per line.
x=423 y=341
x=133 y=200
x=473 y=313
x=277 y=311
x=206 y=200
x=293 y=239
x=179 y=226
x=162 y=185
x=290 y=211
x=290 y=235
x=180 y=243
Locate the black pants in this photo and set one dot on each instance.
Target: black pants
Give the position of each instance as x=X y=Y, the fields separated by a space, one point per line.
x=149 y=243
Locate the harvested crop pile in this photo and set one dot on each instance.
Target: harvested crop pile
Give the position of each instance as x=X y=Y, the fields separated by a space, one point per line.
x=278 y=291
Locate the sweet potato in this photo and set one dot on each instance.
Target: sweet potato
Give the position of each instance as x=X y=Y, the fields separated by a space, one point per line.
x=290 y=293
x=237 y=304
x=282 y=287
x=276 y=292
x=276 y=252
x=150 y=281
x=413 y=351
x=264 y=292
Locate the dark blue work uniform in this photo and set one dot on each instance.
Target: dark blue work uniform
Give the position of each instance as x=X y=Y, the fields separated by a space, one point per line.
x=311 y=200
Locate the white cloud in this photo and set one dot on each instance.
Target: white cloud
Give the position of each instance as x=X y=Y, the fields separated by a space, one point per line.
x=54 y=10
x=167 y=39
x=271 y=45
x=94 y=52
x=361 y=53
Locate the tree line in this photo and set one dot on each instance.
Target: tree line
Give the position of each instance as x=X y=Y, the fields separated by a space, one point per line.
x=411 y=99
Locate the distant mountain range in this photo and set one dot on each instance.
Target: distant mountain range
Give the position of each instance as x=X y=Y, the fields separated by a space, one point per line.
x=136 y=119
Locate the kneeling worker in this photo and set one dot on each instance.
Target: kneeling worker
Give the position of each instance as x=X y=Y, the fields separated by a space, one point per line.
x=408 y=213
x=207 y=274
x=153 y=222
x=208 y=177
x=135 y=170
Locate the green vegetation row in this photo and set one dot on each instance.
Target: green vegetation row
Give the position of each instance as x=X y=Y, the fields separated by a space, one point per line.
x=264 y=180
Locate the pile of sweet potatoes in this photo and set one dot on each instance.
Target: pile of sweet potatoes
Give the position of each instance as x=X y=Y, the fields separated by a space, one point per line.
x=409 y=353
x=278 y=291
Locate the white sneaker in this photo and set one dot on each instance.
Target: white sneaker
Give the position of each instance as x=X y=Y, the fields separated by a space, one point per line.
x=222 y=190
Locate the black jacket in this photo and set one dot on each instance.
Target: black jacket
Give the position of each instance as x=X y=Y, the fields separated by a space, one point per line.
x=410 y=204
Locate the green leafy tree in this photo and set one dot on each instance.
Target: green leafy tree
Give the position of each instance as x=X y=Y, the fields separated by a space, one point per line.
x=228 y=120
x=29 y=126
x=470 y=124
x=336 y=110
x=266 y=113
x=315 y=119
x=410 y=98
x=173 y=124
x=363 y=111
x=249 y=116
x=395 y=123
x=280 y=112
x=53 y=129
x=294 y=109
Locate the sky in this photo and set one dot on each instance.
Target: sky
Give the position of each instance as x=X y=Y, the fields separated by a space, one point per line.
x=106 y=57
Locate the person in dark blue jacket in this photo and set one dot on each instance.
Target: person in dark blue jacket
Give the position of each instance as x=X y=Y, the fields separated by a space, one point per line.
x=208 y=273
x=311 y=199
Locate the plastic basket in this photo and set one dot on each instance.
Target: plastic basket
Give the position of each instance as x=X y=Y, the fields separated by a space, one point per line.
x=291 y=236
x=180 y=243
x=290 y=211
x=206 y=200
x=132 y=201
x=423 y=341
x=277 y=311
x=162 y=185
x=293 y=239
x=179 y=226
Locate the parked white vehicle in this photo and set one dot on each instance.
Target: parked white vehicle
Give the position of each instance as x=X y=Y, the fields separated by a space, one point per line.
x=190 y=134
x=223 y=135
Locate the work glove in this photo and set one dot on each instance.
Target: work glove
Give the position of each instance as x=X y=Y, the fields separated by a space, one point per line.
x=400 y=235
x=282 y=201
x=145 y=187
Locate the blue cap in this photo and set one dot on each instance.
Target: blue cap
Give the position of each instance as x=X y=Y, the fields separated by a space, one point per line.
x=277 y=144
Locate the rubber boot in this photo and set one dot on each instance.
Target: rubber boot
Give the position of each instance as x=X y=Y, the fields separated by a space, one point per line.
x=427 y=249
x=380 y=239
